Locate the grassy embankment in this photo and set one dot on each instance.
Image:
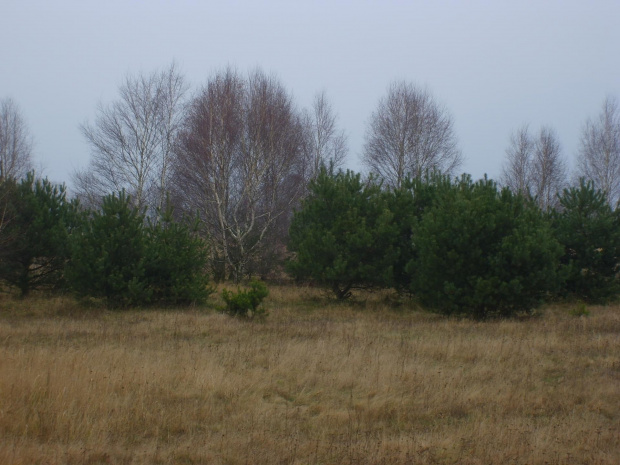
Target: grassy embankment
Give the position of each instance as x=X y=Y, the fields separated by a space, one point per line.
x=315 y=383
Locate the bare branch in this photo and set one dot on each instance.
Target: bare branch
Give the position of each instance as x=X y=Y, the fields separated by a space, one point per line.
x=132 y=140
x=549 y=172
x=326 y=144
x=517 y=172
x=239 y=163
x=15 y=142
x=535 y=166
x=599 y=154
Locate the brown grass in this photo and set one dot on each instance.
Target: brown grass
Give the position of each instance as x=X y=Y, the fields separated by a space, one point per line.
x=315 y=383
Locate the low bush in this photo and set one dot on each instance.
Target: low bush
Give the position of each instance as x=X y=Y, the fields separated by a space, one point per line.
x=246 y=303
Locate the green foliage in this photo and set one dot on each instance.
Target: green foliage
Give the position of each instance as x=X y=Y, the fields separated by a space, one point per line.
x=408 y=204
x=483 y=252
x=107 y=258
x=589 y=231
x=460 y=247
x=36 y=221
x=117 y=258
x=343 y=235
x=580 y=310
x=246 y=304
x=174 y=263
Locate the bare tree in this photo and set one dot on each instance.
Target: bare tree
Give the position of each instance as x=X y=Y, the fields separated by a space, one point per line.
x=549 y=172
x=410 y=134
x=240 y=164
x=535 y=167
x=15 y=142
x=599 y=154
x=326 y=144
x=132 y=140
x=517 y=171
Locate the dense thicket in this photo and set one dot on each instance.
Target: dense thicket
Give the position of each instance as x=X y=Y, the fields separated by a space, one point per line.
x=408 y=205
x=241 y=156
x=456 y=246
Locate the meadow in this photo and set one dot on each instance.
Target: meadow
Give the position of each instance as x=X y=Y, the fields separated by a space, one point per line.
x=316 y=382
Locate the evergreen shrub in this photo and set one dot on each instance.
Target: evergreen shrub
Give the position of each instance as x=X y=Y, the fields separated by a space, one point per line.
x=246 y=303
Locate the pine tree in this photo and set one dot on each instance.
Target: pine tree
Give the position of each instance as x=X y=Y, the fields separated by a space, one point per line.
x=483 y=252
x=37 y=220
x=175 y=262
x=343 y=235
x=589 y=231
x=108 y=254
x=127 y=261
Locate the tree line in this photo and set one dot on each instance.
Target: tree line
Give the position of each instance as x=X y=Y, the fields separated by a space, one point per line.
x=238 y=153
x=458 y=246
x=241 y=160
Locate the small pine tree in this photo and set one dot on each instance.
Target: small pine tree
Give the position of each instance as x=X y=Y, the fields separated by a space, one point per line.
x=408 y=204
x=483 y=252
x=343 y=235
x=107 y=258
x=119 y=258
x=175 y=262
x=589 y=231
x=36 y=221
x=246 y=303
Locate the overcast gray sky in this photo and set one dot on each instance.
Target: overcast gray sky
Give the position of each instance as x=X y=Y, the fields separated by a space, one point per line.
x=495 y=65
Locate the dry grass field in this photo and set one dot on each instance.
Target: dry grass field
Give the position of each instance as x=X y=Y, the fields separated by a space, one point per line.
x=315 y=383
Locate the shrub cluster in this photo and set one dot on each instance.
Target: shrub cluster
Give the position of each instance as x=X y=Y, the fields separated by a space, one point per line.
x=118 y=256
x=115 y=253
x=458 y=246
x=343 y=235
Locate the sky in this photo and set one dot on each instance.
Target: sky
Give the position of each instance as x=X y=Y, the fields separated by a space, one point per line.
x=494 y=65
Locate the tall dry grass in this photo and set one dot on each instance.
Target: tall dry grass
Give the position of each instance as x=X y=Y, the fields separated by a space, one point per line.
x=315 y=383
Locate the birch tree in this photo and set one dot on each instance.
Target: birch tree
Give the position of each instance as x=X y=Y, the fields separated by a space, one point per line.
x=535 y=166
x=240 y=164
x=15 y=142
x=599 y=154
x=132 y=140
x=549 y=171
x=410 y=134
x=326 y=143
x=517 y=170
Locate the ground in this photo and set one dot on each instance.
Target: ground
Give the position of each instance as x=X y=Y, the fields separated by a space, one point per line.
x=316 y=382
